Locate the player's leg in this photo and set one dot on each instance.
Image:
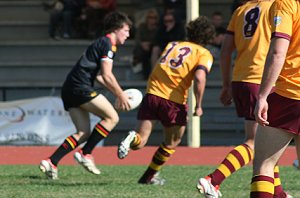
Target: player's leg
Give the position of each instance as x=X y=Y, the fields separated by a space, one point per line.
x=244 y=96
x=296 y=161
x=235 y=159
x=278 y=189
x=147 y=116
x=173 y=117
x=102 y=108
x=136 y=139
x=81 y=121
x=267 y=154
x=173 y=137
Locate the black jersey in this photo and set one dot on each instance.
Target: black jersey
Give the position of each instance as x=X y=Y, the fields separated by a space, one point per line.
x=83 y=74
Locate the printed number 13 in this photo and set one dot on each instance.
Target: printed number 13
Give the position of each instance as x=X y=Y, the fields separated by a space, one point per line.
x=178 y=60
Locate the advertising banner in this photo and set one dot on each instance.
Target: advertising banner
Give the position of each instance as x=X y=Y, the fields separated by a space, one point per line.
x=38 y=121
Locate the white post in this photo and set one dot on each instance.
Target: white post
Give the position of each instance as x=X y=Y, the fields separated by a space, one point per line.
x=193 y=127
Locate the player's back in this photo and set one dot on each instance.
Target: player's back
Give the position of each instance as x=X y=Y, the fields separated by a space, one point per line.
x=174 y=72
x=252 y=33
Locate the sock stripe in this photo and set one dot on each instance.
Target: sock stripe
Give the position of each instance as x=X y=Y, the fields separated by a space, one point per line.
x=249 y=151
x=136 y=142
x=72 y=142
x=101 y=130
x=164 y=148
x=155 y=166
x=262 y=187
x=224 y=170
x=160 y=157
x=230 y=165
x=262 y=178
x=235 y=159
x=241 y=152
x=277 y=181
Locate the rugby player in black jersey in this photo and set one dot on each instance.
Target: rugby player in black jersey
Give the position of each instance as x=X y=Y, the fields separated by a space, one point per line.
x=80 y=96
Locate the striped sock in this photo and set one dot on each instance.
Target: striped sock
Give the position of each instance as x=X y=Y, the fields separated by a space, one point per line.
x=99 y=133
x=66 y=147
x=161 y=156
x=137 y=141
x=237 y=158
x=262 y=187
x=278 y=190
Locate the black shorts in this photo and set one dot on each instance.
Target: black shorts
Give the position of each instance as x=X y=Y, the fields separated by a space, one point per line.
x=73 y=97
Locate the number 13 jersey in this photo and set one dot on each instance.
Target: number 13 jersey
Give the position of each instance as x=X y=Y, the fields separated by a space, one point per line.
x=174 y=72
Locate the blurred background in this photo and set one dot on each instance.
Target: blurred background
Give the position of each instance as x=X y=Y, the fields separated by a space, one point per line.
x=40 y=41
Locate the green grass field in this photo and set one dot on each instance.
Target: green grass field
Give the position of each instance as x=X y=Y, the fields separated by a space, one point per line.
x=26 y=181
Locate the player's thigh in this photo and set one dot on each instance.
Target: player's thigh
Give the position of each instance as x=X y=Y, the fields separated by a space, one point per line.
x=270 y=143
x=173 y=135
x=101 y=107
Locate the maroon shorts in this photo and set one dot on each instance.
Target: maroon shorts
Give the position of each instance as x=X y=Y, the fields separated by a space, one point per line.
x=167 y=112
x=245 y=96
x=284 y=113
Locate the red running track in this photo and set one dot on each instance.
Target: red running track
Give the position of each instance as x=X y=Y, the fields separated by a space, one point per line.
x=108 y=155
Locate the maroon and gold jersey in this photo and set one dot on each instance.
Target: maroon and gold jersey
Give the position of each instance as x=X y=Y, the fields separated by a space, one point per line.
x=251 y=29
x=174 y=72
x=285 y=18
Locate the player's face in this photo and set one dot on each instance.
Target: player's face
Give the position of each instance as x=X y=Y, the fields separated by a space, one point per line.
x=122 y=34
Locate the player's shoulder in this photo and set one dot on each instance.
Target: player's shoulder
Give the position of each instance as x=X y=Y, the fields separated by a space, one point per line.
x=287 y=5
x=103 y=40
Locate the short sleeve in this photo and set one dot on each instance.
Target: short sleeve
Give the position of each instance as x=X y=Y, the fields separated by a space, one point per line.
x=205 y=61
x=281 y=16
x=108 y=50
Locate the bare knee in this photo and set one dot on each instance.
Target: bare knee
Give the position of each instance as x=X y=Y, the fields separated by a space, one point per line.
x=81 y=136
x=111 y=122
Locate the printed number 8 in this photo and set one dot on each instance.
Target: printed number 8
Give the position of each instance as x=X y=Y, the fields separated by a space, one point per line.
x=251 y=19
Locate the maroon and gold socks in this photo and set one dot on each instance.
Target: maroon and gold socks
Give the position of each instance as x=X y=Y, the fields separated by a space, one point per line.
x=161 y=156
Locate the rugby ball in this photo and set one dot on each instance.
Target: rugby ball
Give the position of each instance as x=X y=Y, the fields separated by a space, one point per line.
x=135 y=97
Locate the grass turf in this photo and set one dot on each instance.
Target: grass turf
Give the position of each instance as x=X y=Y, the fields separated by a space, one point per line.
x=26 y=181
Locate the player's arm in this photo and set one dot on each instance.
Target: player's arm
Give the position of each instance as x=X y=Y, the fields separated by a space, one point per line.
x=199 y=87
x=274 y=63
x=108 y=80
x=227 y=49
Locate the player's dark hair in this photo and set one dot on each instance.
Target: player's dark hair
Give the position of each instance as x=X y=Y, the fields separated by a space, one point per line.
x=200 y=30
x=114 y=21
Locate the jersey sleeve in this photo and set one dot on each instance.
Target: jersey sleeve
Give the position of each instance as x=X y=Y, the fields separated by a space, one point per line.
x=205 y=61
x=281 y=16
x=108 y=51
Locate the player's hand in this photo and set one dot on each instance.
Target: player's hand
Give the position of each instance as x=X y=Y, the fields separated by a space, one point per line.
x=261 y=112
x=122 y=103
x=226 y=96
x=198 y=111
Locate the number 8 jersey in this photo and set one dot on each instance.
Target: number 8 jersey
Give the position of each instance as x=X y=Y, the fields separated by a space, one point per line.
x=251 y=29
x=174 y=72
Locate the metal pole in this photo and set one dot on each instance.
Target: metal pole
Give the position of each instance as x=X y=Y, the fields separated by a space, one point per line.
x=193 y=128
